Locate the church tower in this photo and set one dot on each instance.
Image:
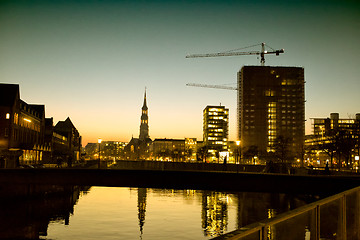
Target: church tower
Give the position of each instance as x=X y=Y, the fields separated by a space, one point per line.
x=144 y=125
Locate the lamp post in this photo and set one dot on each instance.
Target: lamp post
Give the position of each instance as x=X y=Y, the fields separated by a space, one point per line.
x=238 y=151
x=99 y=141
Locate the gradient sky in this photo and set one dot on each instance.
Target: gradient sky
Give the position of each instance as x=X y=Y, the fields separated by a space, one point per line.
x=91 y=60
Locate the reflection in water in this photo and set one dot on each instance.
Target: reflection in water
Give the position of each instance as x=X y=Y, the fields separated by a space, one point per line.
x=27 y=210
x=141 y=208
x=175 y=214
x=214 y=213
x=271 y=230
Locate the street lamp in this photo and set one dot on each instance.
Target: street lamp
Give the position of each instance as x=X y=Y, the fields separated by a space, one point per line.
x=99 y=141
x=238 y=151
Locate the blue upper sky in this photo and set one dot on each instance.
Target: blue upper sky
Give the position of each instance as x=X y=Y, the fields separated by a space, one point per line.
x=91 y=60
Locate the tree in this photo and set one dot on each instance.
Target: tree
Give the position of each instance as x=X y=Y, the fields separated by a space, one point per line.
x=202 y=153
x=282 y=148
x=339 y=145
x=176 y=154
x=329 y=148
x=251 y=152
x=188 y=153
x=345 y=143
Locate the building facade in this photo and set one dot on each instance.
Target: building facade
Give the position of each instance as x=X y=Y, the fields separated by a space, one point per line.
x=168 y=149
x=190 y=149
x=335 y=124
x=67 y=141
x=334 y=140
x=215 y=129
x=27 y=137
x=271 y=106
x=22 y=129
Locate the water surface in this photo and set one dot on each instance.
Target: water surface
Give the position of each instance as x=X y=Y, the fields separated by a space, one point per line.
x=124 y=213
x=132 y=213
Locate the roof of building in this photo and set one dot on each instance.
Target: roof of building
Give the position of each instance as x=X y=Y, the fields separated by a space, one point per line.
x=8 y=94
x=144 y=107
x=64 y=126
x=168 y=140
x=38 y=108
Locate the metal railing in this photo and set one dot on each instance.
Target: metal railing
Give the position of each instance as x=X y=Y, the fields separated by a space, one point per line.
x=336 y=217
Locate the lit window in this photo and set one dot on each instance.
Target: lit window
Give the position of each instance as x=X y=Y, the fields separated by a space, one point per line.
x=8 y=116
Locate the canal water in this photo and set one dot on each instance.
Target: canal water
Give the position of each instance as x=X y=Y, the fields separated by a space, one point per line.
x=132 y=213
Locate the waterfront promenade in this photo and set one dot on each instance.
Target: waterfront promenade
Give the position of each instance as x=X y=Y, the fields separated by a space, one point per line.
x=182 y=179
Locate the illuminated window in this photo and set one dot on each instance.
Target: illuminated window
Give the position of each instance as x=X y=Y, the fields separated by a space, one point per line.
x=16 y=118
x=8 y=116
x=269 y=93
x=271 y=125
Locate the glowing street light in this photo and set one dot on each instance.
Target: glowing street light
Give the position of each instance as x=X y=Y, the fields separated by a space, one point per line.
x=238 y=142
x=99 y=141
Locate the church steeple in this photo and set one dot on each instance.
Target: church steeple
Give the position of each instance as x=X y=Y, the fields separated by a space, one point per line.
x=144 y=125
x=144 y=107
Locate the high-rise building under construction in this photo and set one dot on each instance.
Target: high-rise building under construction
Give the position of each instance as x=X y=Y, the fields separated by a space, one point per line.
x=271 y=103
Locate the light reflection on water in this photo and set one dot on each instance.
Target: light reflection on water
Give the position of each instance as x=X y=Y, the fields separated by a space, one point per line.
x=125 y=213
x=65 y=212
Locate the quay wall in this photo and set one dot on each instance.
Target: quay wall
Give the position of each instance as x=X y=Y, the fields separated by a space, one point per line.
x=201 y=180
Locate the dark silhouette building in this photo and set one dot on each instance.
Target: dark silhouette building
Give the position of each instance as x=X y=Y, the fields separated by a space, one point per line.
x=22 y=129
x=144 y=125
x=138 y=148
x=27 y=137
x=67 y=141
x=271 y=106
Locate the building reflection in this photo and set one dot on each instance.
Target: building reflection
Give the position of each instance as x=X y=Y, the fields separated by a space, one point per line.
x=141 y=208
x=214 y=213
x=27 y=210
x=251 y=207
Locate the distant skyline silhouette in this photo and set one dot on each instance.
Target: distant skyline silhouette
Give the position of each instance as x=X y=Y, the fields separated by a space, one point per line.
x=91 y=61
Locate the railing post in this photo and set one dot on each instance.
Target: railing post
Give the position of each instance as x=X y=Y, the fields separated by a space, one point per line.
x=317 y=222
x=263 y=233
x=343 y=217
x=357 y=214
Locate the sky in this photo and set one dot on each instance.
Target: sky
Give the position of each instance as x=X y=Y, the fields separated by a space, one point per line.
x=91 y=60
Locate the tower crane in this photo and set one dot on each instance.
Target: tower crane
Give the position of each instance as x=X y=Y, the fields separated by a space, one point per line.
x=235 y=52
